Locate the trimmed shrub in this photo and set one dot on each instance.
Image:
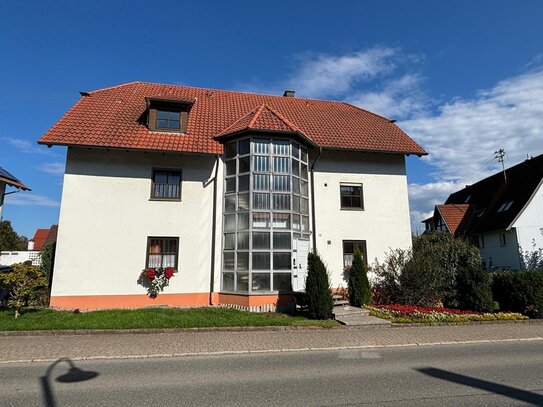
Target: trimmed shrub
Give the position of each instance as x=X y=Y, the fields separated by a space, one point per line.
x=317 y=289
x=359 y=286
x=474 y=289
x=429 y=276
x=519 y=291
x=26 y=286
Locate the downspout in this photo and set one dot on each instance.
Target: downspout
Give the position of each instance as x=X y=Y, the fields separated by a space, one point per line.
x=313 y=221
x=213 y=232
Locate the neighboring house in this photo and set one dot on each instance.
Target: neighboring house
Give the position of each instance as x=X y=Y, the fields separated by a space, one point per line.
x=8 y=180
x=502 y=214
x=43 y=237
x=231 y=189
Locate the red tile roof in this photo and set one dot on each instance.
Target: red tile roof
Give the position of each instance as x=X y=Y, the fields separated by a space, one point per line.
x=454 y=216
x=39 y=238
x=112 y=117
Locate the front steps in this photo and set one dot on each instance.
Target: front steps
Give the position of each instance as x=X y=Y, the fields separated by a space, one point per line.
x=354 y=316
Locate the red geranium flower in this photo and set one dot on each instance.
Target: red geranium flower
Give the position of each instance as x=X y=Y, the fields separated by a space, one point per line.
x=151 y=274
x=169 y=272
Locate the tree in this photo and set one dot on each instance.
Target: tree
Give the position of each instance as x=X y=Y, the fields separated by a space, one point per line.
x=9 y=239
x=429 y=277
x=359 y=286
x=317 y=289
x=47 y=255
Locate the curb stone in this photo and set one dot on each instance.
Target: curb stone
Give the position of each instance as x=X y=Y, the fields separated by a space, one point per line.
x=71 y=332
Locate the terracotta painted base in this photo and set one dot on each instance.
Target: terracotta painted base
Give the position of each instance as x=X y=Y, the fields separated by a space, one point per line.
x=95 y=302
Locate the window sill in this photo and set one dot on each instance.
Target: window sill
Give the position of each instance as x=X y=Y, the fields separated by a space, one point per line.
x=170 y=131
x=165 y=200
x=352 y=209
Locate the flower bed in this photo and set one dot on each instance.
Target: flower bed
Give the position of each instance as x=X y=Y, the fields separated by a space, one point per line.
x=413 y=314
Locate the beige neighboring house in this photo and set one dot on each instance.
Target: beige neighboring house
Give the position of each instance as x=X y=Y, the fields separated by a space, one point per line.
x=230 y=189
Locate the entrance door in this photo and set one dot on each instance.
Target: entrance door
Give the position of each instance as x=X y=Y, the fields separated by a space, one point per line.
x=299 y=263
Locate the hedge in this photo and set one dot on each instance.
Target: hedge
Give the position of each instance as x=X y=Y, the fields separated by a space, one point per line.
x=519 y=291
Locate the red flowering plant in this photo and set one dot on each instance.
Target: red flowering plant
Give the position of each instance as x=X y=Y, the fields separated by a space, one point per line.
x=156 y=279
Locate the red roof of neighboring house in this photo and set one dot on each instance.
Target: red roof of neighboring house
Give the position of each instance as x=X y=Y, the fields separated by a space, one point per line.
x=43 y=236
x=115 y=117
x=39 y=238
x=454 y=216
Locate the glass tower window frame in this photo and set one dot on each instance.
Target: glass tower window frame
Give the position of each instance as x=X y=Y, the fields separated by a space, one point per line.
x=270 y=163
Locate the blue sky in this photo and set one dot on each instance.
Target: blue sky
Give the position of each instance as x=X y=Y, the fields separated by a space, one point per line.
x=463 y=78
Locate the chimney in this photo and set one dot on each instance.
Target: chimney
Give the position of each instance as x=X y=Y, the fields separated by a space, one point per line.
x=289 y=94
x=30 y=245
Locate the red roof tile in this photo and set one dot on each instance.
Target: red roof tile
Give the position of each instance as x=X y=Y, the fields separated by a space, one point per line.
x=111 y=117
x=454 y=216
x=39 y=238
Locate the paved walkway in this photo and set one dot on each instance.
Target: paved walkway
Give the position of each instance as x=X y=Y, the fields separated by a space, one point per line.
x=139 y=345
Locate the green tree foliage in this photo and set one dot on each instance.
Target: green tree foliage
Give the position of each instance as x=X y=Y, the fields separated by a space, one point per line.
x=26 y=286
x=474 y=289
x=429 y=277
x=359 y=286
x=317 y=289
x=519 y=291
x=9 y=239
x=387 y=289
x=47 y=255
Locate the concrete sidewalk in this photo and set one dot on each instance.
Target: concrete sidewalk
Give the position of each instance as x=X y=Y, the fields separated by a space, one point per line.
x=140 y=345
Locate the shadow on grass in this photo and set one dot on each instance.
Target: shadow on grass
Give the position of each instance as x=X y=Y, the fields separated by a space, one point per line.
x=496 y=388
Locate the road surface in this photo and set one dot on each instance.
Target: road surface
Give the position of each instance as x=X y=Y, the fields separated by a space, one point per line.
x=493 y=374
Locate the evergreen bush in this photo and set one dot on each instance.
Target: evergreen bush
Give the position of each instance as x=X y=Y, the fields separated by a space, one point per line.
x=474 y=289
x=317 y=289
x=359 y=286
x=519 y=291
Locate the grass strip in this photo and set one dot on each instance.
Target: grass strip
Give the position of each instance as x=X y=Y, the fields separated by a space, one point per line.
x=156 y=318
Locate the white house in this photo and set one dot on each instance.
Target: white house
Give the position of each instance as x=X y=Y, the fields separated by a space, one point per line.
x=502 y=214
x=229 y=189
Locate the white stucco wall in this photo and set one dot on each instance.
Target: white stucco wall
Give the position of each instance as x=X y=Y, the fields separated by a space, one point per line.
x=384 y=222
x=106 y=216
x=529 y=224
x=497 y=256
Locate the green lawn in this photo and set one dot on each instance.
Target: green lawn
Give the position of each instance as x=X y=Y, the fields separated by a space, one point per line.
x=159 y=318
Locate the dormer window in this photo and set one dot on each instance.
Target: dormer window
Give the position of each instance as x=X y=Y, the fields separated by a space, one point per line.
x=168 y=115
x=168 y=120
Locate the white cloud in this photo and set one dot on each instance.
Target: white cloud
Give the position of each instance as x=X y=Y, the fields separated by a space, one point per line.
x=53 y=168
x=379 y=79
x=466 y=131
x=26 y=146
x=396 y=98
x=29 y=199
x=331 y=75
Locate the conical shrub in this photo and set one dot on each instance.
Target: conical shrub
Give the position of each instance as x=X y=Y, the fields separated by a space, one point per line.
x=359 y=286
x=317 y=289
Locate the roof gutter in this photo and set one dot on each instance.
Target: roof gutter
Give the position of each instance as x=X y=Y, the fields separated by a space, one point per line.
x=313 y=221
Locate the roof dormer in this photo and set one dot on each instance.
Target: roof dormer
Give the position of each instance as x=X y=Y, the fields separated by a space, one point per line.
x=168 y=115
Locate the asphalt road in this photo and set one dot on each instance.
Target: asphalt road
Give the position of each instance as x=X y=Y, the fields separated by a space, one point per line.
x=497 y=374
